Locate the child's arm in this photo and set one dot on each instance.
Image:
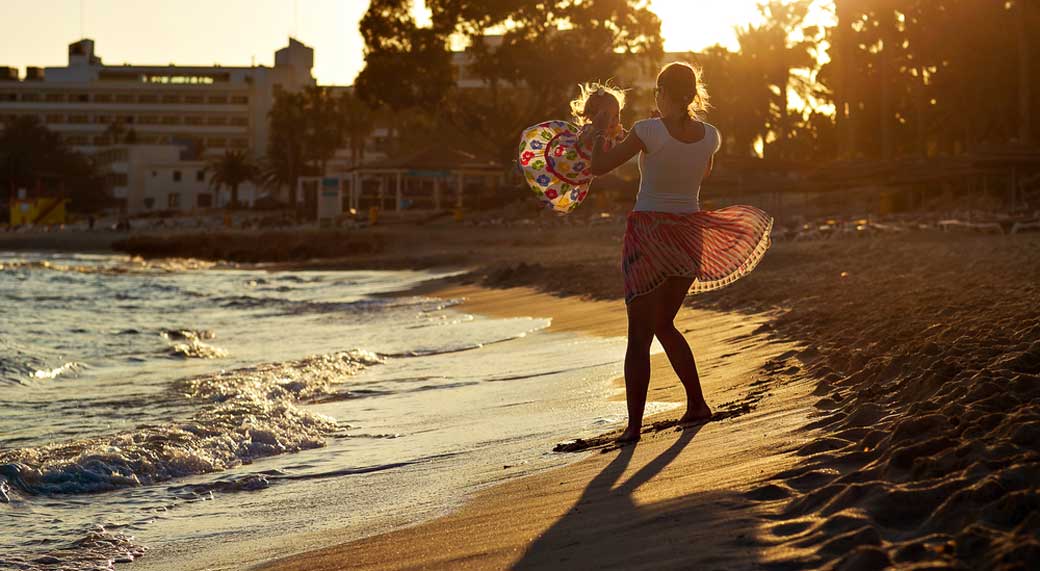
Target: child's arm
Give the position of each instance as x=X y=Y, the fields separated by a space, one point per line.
x=606 y=159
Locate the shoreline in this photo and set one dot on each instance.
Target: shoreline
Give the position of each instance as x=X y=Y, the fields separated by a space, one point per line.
x=660 y=446
x=898 y=430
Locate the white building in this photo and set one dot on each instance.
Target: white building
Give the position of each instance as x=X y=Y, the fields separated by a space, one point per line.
x=151 y=178
x=175 y=116
x=212 y=108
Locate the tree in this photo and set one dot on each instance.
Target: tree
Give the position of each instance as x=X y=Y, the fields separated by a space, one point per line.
x=406 y=66
x=32 y=156
x=358 y=121
x=325 y=126
x=545 y=49
x=286 y=147
x=306 y=130
x=790 y=46
x=233 y=169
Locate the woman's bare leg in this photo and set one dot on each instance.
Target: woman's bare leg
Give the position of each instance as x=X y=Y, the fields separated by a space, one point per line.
x=678 y=350
x=642 y=312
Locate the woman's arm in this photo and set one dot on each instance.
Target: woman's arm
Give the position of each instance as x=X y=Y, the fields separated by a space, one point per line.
x=604 y=161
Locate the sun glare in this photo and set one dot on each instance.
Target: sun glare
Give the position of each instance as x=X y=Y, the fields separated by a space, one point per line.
x=688 y=25
x=691 y=26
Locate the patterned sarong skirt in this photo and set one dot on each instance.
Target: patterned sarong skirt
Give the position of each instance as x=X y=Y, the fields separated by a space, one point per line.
x=714 y=247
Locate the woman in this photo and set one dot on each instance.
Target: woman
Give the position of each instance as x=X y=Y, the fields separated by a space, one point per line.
x=671 y=247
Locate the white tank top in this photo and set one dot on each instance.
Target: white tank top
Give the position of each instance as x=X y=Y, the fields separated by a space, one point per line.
x=671 y=171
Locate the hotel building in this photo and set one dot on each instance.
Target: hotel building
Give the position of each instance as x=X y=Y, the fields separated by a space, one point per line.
x=196 y=111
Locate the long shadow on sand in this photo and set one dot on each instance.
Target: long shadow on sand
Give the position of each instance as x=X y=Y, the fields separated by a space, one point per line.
x=607 y=529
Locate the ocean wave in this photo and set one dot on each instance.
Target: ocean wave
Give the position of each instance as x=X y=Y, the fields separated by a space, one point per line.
x=70 y=367
x=250 y=413
x=283 y=306
x=188 y=344
x=98 y=550
x=128 y=266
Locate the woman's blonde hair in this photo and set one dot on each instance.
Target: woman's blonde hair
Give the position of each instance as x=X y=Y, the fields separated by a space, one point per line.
x=682 y=82
x=585 y=107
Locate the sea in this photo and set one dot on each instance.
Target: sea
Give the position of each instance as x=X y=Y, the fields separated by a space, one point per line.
x=189 y=415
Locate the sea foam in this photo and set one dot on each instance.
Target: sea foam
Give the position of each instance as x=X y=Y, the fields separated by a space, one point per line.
x=247 y=413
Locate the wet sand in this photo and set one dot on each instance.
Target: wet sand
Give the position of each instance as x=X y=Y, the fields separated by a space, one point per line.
x=886 y=413
x=598 y=510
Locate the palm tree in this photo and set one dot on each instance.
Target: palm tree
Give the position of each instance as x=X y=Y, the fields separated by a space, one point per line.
x=783 y=56
x=324 y=126
x=754 y=68
x=286 y=159
x=358 y=122
x=232 y=169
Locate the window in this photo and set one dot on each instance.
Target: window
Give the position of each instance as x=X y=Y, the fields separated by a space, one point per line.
x=148 y=99
x=149 y=203
x=239 y=99
x=205 y=200
x=200 y=176
x=54 y=97
x=240 y=121
x=216 y=120
x=176 y=176
x=173 y=200
x=103 y=98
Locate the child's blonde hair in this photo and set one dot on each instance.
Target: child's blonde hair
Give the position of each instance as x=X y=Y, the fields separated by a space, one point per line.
x=585 y=107
x=683 y=83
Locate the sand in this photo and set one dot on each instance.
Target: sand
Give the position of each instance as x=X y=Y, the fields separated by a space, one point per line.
x=880 y=401
x=598 y=510
x=887 y=413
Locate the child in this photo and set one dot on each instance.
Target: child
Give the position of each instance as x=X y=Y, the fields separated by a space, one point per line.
x=555 y=156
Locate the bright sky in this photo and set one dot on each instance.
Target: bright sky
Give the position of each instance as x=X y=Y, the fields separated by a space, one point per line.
x=239 y=32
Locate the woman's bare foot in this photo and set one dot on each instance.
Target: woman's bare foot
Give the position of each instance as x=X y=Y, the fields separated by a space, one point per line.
x=630 y=435
x=697 y=414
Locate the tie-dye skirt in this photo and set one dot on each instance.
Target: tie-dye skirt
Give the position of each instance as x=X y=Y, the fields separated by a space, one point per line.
x=714 y=247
